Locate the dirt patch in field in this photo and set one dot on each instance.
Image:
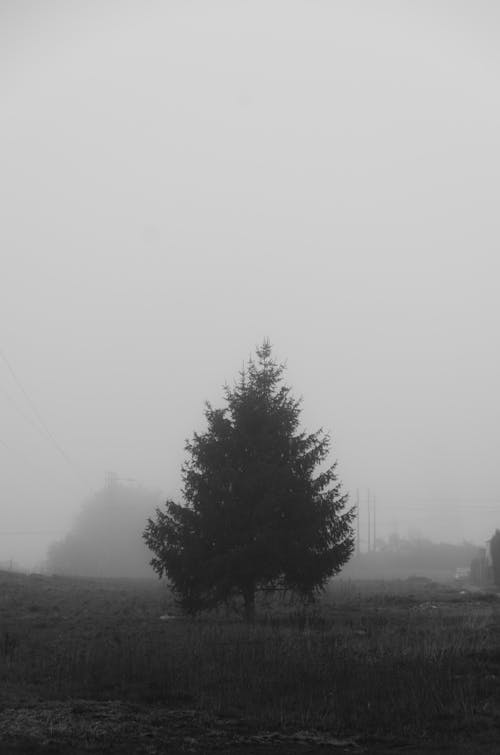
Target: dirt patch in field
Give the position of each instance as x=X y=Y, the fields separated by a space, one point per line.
x=86 y=726
x=83 y=726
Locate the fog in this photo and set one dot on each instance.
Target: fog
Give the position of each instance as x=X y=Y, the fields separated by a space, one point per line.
x=181 y=180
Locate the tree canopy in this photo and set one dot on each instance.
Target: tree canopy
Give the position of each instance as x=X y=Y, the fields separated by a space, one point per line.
x=105 y=540
x=261 y=509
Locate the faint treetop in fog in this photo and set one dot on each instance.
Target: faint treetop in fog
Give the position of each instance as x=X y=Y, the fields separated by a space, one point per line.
x=106 y=538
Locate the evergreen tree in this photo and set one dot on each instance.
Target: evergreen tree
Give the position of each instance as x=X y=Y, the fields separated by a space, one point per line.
x=258 y=513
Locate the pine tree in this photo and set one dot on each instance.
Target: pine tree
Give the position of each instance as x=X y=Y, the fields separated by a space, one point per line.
x=258 y=514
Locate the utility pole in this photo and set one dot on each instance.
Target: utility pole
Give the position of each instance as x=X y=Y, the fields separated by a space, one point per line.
x=110 y=480
x=374 y=523
x=369 y=521
x=358 y=548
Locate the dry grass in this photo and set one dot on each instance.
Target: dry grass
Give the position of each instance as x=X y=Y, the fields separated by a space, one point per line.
x=383 y=659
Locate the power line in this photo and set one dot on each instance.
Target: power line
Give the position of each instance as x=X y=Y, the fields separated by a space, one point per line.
x=23 y=414
x=447 y=499
x=458 y=505
x=33 y=407
x=41 y=422
x=32 y=532
x=414 y=502
x=25 y=458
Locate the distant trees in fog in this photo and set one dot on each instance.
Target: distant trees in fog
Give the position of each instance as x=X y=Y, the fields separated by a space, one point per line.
x=261 y=511
x=398 y=557
x=106 y=540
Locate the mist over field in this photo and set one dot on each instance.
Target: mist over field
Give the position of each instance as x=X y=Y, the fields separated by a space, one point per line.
x=181 y=180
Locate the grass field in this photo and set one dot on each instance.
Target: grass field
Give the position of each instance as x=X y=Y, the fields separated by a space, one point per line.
x=88 y=665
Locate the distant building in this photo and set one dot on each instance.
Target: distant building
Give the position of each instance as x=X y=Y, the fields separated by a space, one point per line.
x=462 y=573
x=481 y=568
x=489 y=557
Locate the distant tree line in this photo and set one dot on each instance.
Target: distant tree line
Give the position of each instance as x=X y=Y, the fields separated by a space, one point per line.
x=401 y=557
x=106 y=539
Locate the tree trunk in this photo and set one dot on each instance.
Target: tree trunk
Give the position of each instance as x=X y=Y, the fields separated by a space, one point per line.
x=249 y=598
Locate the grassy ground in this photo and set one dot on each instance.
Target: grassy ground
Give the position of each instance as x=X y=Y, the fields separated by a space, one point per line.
x=89 y=665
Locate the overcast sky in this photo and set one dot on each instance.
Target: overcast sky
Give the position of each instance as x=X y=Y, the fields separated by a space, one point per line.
x=181 y=179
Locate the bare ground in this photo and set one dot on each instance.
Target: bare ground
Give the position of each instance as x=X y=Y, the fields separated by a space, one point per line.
x=85 y=726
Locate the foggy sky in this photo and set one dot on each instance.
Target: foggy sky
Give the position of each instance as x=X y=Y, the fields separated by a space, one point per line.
x=180 y=180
